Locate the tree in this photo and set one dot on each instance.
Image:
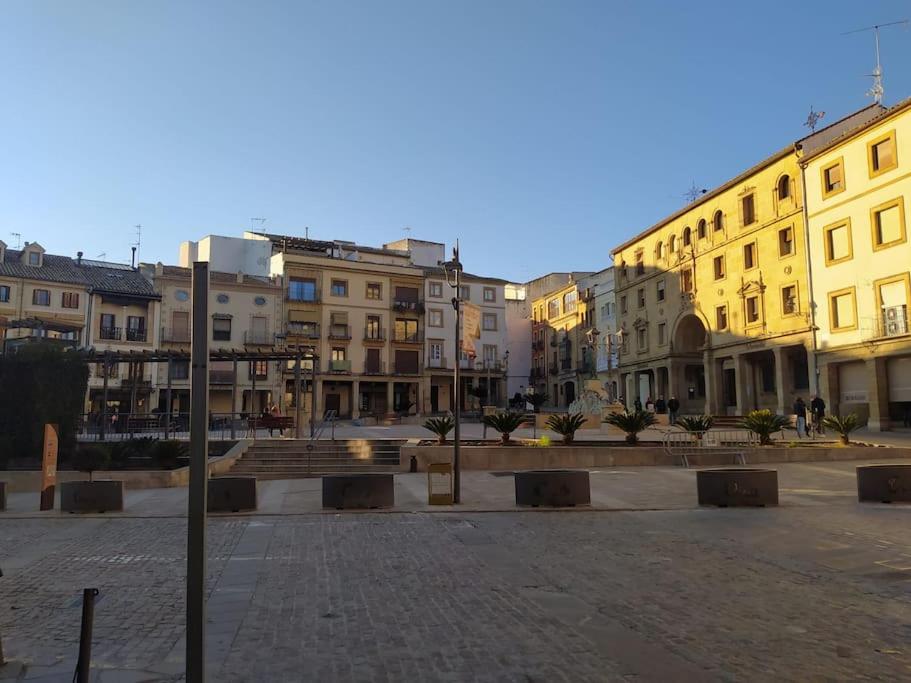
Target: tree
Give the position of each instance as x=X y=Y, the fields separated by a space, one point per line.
x=441 y=426
x=91 y=459
x=843 y=426
x=696 y=423
x=505 y=423
x=764 y=423
x=566 y=425
x=632 y=422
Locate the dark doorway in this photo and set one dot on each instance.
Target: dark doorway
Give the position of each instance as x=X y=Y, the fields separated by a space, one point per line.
x=569 y=392
x=334 y=402
x=729 y=387
x=434 y=398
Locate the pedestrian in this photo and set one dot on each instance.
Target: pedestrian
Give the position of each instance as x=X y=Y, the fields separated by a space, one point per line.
x=800 y=411
x=650 y=405
x=637 y=404
x=818 y=411
x=275 y=412
x=660 y=405
x=673 y=407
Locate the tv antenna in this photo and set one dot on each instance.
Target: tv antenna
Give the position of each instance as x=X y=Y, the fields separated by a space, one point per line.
x=876 y=91
x=18 y=236
x=694 y=192
x=102 y=256
x=138 y=242
x=259 y=221
x=813 y=118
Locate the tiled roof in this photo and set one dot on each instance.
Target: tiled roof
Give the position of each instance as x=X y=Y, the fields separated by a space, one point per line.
x=216 y=276
x=116 y=279
x=54 y=269
x=859 y=125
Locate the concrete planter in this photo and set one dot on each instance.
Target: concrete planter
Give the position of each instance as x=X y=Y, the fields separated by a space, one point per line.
x=553 y=488
x=884 y=484
x=737 y=487
x=91 y=496
x=2 y=495
x=231 y=494
x=358 y=491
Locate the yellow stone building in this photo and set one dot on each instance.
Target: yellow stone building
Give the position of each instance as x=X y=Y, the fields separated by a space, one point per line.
x=714 y=303
x=858 y=203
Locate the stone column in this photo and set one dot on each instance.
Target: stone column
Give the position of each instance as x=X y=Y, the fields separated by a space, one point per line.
x=782 y=386
x=712 y=376
x=318 y=398
x=671 y=388
x=355 y=399
x=878 y=395
x=743 y=382
x=828 y=386
x=390 y=398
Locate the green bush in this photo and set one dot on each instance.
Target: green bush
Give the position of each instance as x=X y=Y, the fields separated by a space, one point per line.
x=505 y=423
x=843 y=426
x=566 y=425
x=696 y=423
x=91 y=459
x=764 y=423
x=167 y=454
x=441 y=426
x=632 y=422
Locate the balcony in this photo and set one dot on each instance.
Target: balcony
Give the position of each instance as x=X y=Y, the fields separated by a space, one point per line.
x=175 y=335
x=402 y=306
x=408 y=338
x=136 y=335
x=376 y=368
x=893 y=322
x=374 y=335
x=302 y=330
x=438 y=364
x=303 y=297
x=109 y=333
x=406 y=369
x=339 y=367
x=566 y=363
x=258 y=338
x=340 y=332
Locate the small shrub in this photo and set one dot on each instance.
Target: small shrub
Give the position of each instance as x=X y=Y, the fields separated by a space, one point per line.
x=505 y=423
x=632 y=423
x=536 y=400
x=441 y=426
x=91 y=459
x=764 y=423
x=167 y=454
x=696 y=423
x=843 y=426
x=566 y=425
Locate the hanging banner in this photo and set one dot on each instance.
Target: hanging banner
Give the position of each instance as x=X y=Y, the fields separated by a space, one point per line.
x=471 y=328
x=49 y=467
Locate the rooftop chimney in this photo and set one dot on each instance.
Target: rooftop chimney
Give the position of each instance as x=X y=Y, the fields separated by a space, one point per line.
x=133 y=257
x=78 y=258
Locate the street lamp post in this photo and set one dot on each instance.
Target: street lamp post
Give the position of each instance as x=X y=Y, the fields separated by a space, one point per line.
x=453 y=272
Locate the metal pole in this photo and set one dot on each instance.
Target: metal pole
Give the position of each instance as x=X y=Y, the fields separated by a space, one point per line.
x=233 y=398
x=167 y=412
x=84 y=663
x=456 y=466
x=199 y=446
x=104 y=395
x=252 y=366
x=313 y=360
x=297 y=396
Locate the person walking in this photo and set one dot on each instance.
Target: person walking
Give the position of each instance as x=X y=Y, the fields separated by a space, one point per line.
x=275 y=412
x=818 y=411
x=637 y=404
x=660 y=406
x=673 y=407
x=800 y=411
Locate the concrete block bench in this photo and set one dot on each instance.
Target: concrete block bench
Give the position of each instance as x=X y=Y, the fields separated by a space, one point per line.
x=231 y=494
x=358 y=491
x=553 y=488
x=91 y=496
x=884 y=483
x=740 y=487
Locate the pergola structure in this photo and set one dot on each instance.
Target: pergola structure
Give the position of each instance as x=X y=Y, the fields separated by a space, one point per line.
x=109 y=358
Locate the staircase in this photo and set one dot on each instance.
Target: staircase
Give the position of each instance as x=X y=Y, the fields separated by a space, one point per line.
x=726 y=421
x=301 y=458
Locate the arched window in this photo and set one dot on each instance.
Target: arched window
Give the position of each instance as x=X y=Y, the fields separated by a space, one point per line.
x=687 y=236
x=717 y=223
x=672 y=244
x=659 y=251
x=700 y=229
x=784 y=187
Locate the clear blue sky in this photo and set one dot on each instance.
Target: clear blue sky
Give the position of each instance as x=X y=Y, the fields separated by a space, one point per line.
x=540 y=133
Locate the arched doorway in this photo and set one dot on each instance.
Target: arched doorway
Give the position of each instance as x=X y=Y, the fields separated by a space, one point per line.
x=569 y=392
x=690 y=339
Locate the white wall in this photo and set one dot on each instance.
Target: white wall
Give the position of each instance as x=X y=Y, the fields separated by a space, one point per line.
x=229 y=254
x=518 y=342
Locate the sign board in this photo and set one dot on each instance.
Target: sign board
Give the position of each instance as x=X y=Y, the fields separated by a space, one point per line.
x=471 y=328
x=49 y=467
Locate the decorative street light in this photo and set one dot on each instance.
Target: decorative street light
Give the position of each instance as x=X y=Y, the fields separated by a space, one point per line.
x=453 y=272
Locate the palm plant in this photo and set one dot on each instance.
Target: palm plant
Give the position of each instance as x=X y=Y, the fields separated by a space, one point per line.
x=632 y=422
x=566 y=425
x=764 y=423
x=536 y=400
x=505 y=423
x=696 y=423
x=441 y=426
x=843 y=426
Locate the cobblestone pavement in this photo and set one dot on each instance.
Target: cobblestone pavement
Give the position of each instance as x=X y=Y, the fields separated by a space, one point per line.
x=800 y=592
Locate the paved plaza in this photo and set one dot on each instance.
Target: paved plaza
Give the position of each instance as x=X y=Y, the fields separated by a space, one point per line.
x=646 y=586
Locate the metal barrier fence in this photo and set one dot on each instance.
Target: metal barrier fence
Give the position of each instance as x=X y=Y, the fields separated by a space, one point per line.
x=222 y=426
x=731 y=442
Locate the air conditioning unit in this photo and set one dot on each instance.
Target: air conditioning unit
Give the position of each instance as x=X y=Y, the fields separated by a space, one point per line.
x=896 y=320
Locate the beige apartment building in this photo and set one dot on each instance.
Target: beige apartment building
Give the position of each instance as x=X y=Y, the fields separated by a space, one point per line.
x=714 y=303
x=858 y=201
x=361 y=311
x=245 y=314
